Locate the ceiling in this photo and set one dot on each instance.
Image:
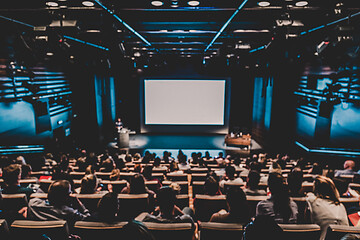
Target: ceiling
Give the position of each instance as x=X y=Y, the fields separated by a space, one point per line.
x=137 y=29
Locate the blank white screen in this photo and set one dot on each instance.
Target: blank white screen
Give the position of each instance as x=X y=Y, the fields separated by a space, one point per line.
x=184 y=102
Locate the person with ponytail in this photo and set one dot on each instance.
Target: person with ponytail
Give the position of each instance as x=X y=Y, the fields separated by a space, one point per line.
x=324 y=206
x=279 y=206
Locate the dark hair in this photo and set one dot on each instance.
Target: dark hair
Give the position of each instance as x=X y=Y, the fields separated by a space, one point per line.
x=147 y=172
x=211 y=186
x=157 y=162
x=25 y=170
x=11 y=174
x=166 y=198
x=108 y=207
x=236 y=200
x=295 y=180
x=253 y=179
x=137 y=184
x=89 y=184
x=230 y=171
x=280 y=194
x=58 y=192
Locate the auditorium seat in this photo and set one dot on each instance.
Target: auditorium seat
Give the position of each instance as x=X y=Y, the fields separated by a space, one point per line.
x=77 y=175
x=26 y=182
x=182 y=200
x=11 y=205
x=126 y=175
x=198 y=187
x=301 y=204
x=4 y=230
x=45 y=184
x=253 y=201
x=350 y=202
x=131 y=205
x=173 y=231
x=336 y=232
x=184 y=186
x=152 y=185
x=27 y=229
x=301 y=231
x=217 y=231
x=90 y=201
x=39 y=195
x=159 y=176
x=198 y=177
x=228 y=185
x=177 y=176
x=199 y=170
x=207 y=205
x=103 y=175
x=98 y=230
x=117 y=186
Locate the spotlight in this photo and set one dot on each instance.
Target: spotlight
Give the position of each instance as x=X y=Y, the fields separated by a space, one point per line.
x=88 y=4
x=193 y=3
x=263 y=4
x=157 y=3
x=52 y=4
x=301 y=4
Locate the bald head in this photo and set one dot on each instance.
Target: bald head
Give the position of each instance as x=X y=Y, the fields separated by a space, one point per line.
x=349 y=164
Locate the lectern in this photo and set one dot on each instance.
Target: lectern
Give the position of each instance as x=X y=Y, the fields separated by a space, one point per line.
x=123 y=139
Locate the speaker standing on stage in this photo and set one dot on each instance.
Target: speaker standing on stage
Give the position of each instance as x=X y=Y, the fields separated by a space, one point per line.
x=119 y=124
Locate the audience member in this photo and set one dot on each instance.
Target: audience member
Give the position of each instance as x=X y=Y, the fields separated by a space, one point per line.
x=211 y=186
x=60 y=205
x=238 y=208
x=89 y=185
x=115 y=175
x=294 y=181
x=324 y=205
x=107 y=165
x=229 y=176
x=349 y=169
x=279 y=205
x=12 y=176
x=107 y=209
x=252 y=184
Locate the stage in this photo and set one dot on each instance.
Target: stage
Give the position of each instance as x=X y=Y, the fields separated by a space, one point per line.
x=187 y=143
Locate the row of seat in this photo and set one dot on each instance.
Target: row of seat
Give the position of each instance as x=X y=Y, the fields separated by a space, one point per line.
x=59 y=230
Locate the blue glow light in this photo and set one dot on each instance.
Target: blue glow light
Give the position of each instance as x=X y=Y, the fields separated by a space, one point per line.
x=328 y=150
x=257 y=49
x=122 y=21
x=225 y=25
x=16 y=21
x=86 y=43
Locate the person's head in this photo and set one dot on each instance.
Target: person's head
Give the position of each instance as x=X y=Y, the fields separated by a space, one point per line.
x=295 y=180
x=316 y=169
x=26 y=171
x=230 y=171
x=12 y=174
x=20 y=160
x=325 y=188
x=147 y=172
x=115 y=174
x=137 y=184
x=341 y=185
x=253 y=179
x=166 y=198
x=89 y=184
x=349 y=164
x=90 y=169
x=351 y=236
x=236 y=200
x=108 y=165
x=173 y=166
x=59 y=193
x=157 y=162
x=108 y=206
x=81 y=163
x=211 y=186
x=275 y=183
x=182 y=159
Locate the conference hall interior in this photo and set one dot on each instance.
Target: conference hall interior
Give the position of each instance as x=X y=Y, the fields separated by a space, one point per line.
x=180 y=119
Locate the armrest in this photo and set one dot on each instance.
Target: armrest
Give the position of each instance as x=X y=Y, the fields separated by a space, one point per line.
x=141 y=216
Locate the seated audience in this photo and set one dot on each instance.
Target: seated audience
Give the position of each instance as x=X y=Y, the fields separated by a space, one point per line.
x=12 y=176
x=60 y=205
x=89 y=185
x=238 y=208
x=211 y=186
x=294 y=181
x=349 y=169
x=252 y=185
x=324 y=205
x=279 y=206
x=229 y=176
x=107 y=209
x=107 y=165
x=26 y=171
x=168 y=212
x=147 y=173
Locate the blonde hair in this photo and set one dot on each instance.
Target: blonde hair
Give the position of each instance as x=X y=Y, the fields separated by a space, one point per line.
x=325 y=188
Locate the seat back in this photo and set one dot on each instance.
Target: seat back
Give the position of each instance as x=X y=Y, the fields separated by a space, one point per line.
x=301 y=204
x=207 y=205
x=216 y=231
x=98 y=230
x=4 y=230
x=198 y=177
x=117 y=186
x=103 y=175
x=90 y=201
x=177 y=176
x=338 y=231
x=184 y=186
x=45 y=184
x=252 y=203
x=77 y=175
x=11 y=205
x=198 y=187
x=131 y=205
x=27 y=229
x=182 y=200
x=301 y=231
x=173 y=231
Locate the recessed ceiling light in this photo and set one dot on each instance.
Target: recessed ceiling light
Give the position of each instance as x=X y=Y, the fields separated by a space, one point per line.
x=52 y=4
x=263 y=4
x=87 y=3
x=49 y=54
x=193 y=3
x=301 y=4
x=157 y=3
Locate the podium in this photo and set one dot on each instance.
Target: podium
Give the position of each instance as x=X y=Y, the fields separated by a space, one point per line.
x=123 y=138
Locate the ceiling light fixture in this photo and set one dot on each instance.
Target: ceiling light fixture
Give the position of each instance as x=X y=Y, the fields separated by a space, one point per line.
x=263 y=4
x=88 y=4
x=301 y=4
x=52 y=4
x=49 y=54
x=193 y=3
x=157 y=3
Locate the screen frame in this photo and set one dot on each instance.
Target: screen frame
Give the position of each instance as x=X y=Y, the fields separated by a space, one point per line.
x=164 y=128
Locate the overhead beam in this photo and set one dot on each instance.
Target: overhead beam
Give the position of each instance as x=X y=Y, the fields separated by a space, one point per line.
x=225 y=25
x=122 y=22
